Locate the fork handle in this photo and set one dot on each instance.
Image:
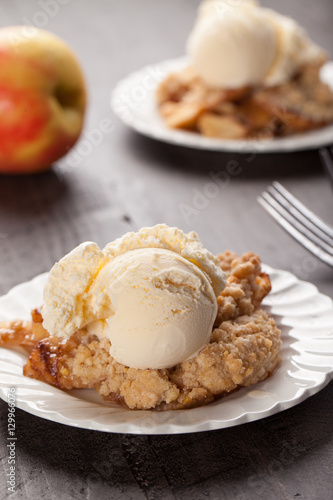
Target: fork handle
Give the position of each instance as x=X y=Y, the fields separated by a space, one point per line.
x=327 y=162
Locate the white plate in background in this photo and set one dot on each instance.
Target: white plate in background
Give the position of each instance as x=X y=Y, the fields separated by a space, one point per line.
x=133 y=101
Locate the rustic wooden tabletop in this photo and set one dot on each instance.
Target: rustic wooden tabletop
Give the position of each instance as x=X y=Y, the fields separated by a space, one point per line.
x=126 y=182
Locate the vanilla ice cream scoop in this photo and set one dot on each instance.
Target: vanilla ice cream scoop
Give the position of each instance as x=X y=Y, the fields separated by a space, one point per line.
x=162 y=308
x=151 y=293
x=232 y=46
x=294 y=49
x=240 y=43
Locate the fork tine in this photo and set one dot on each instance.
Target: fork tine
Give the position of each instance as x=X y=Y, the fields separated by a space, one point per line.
x=289 y=217
x=278 y=213
x=303 y=214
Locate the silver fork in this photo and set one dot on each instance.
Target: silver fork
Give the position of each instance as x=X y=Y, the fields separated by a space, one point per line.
x=308 y=229
x=326 y=157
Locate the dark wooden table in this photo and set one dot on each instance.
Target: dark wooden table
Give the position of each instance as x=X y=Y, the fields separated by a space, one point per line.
x=126 y=182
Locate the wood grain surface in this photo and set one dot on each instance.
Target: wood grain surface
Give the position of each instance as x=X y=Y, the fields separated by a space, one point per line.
x=123 y=183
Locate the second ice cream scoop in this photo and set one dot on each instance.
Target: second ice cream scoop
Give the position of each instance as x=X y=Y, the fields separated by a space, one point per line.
x=235 y=44
x=232 y=47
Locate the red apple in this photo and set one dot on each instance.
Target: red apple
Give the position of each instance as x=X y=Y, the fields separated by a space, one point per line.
x=42 y=99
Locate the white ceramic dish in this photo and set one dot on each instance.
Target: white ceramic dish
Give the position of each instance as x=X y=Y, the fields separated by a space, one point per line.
x=133 y=101
x=306 y=320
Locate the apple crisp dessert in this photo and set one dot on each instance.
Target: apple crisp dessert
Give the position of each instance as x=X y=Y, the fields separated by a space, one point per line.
x=303 y=103
x=244 y=348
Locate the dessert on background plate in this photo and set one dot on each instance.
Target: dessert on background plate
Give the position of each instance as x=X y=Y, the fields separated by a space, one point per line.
x=253 y=74
x=152 y=321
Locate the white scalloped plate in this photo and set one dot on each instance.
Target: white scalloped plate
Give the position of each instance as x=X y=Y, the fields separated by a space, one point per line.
x=306 y=320
x=133 y=101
